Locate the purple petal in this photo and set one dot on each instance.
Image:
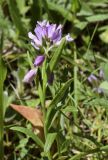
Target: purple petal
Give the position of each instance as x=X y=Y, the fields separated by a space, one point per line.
x=31 y=36
x=59 y=27
x=30 y=76
x=69 y=38
x=33 y=44
x=57 y=35
x=39 y=60
x=92 y=78
x=38 y=32
x=43 y=23
x=37 y=43
x=51 y=30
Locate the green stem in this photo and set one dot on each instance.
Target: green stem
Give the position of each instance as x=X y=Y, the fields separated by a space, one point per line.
x=44 y=85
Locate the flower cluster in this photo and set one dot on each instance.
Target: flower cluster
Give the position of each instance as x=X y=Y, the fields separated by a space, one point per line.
x=47 y=34
x=46 y=37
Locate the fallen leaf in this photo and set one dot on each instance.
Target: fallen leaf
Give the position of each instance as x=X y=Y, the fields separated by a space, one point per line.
x=33 y=115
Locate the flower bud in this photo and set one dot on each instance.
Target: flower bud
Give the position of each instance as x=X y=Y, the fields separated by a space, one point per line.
x=39 y=60
x=30 y=76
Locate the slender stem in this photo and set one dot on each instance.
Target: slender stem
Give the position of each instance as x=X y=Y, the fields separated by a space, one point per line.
x=44 y=85
x=91 y=39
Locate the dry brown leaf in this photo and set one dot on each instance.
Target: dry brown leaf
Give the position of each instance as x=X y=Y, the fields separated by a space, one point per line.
x=33 y=115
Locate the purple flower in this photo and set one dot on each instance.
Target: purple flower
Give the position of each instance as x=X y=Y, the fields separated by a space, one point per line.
x=30 y=76
x=39 y=60
x=35 y=41
x=69 y=38
x=46 y=32
x=92 y=78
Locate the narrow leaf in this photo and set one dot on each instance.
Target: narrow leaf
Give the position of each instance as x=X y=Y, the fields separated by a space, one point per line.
x=15 y=15
x=49 y=141
x=3 y=72
x=29 y=133
x=60 y=93
x=45 y=3
x=36 y=11
x=98 y=17
x=55 y=101
x=56 y=56
x=62 y=11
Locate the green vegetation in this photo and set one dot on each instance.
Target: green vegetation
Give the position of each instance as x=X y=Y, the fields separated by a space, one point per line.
x=67 y=120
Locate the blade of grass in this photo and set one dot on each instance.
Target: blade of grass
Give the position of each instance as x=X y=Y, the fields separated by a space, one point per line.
x=56 y=56
x=15 y=15
x=55 y=101
x=96 y=150
x=30 y=134
x=45 y=3
x=62 y=11
x=2 y=78
x=36 y=12
x=49 y=141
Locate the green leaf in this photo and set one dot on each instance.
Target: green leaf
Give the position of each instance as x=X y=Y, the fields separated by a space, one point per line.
x=62 y=11
x=1 y=42
x=3 y=71
x=85 y=10
x=23 y=8
x=36 y=12
x=51 y=111
x=44 y=78
x=105 y=70
x=56 y=56
x=102 y=102
x=40 y=91
x=104 y=36
x=75 y=5
x=98 y=17
x=104 y=85
x=45 y=3
x=29 y=133
x=15 y=15
x=60 y=93
x=49 y=141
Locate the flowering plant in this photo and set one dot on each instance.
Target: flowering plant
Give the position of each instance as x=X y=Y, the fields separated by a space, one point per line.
x=46 y=37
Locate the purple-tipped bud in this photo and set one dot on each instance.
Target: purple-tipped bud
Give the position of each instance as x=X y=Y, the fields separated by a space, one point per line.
x=30 y=76
x=39 y=60
x=69 y=38
x=50 y=78
x=92 y=78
